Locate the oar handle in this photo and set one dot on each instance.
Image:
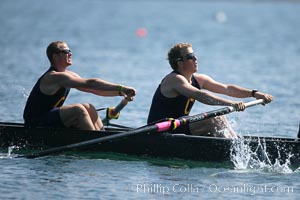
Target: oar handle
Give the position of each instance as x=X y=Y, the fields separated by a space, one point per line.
x=249 y=104
x=120 y=106
x=254 y=103
x=114 y=112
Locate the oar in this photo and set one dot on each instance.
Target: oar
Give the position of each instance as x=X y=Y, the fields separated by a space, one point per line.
x=158 y=127
x=113 y=113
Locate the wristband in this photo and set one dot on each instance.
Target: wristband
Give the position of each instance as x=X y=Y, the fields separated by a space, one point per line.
x=253 y=92
x=120 y=89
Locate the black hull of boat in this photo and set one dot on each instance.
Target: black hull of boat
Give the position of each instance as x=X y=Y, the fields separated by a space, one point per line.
x=153 y=144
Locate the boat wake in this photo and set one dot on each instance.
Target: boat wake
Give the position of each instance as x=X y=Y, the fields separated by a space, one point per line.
x=245 y=157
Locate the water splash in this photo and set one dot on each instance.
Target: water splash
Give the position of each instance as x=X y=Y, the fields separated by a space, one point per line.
x=9 y=152
x=246 y=158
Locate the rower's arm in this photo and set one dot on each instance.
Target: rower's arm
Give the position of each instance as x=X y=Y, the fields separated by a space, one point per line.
x=227 y=89
x=100 y=87
x=183 y=87
x=232 y=90
x=92 y=85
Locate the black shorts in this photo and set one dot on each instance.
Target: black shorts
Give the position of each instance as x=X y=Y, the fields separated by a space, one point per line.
x=53 y=119
x=50 y=119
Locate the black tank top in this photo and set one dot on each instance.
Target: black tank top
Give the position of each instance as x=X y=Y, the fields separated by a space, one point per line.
x=163 y=107
x=38 y=103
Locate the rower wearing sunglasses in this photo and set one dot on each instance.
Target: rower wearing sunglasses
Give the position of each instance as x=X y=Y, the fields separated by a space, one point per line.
x=44 y=105
x=178 y=91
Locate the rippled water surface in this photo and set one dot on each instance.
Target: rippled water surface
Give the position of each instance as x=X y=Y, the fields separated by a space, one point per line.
x=250 y=43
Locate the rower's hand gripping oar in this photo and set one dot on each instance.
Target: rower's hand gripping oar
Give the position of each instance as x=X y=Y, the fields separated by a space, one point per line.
x=158 y=127
x=114 y=112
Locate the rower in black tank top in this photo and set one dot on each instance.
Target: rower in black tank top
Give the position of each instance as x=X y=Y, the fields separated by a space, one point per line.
x=163 y=107
x=42 y=109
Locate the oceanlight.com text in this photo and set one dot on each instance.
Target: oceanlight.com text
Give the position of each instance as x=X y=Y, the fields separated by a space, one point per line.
x=156 y=188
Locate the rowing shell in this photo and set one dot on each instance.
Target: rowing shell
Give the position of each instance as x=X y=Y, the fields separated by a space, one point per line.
x=163 y=145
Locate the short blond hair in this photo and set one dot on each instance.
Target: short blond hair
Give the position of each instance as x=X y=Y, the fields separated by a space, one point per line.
x=54 y=47
x=175 y=53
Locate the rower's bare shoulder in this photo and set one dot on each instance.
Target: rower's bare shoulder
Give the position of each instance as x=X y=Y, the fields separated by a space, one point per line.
x=49 y=83
x=177 y=77
x=170 y=85
x=62 y=75
x=72 y=73
x=202 y=76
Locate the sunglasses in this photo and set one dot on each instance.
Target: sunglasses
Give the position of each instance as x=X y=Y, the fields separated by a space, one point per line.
x=65 y=51
x=189 y=56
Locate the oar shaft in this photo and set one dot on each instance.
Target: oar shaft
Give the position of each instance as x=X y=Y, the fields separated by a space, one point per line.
x=164 y=126
x=221 y=111
x=120 y=106
x=54 y=150
x=167 y=125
